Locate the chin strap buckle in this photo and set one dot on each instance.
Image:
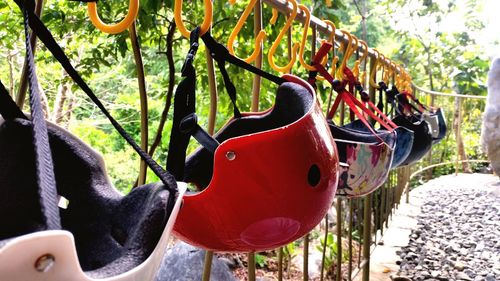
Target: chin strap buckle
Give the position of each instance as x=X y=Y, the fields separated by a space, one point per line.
x=189 y=125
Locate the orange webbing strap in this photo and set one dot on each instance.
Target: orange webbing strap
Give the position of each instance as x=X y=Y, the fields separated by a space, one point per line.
x=352 y=81
x=343 y=94
x=420 y=108
x=366 y=99
x=339 y=87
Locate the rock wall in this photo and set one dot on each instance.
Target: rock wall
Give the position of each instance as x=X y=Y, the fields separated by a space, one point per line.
x=490 y=132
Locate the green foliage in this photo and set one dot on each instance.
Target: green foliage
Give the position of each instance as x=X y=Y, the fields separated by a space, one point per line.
x=290 y=250
x=356 y=235
x=260 y=260
x=332 y=250
x=453 y=59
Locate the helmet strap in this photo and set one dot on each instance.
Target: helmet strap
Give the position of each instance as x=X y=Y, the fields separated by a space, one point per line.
x=221 y=55
x=41 y=31
x=47 y=190
x=185 y=121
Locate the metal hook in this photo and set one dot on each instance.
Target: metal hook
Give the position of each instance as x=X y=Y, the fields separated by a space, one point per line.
x=307 y=19
x=258 y=41
x=133 y=10
x=276 y=43
x=207 y=21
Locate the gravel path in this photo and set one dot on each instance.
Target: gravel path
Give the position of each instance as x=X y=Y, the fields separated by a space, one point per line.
x=458 y=231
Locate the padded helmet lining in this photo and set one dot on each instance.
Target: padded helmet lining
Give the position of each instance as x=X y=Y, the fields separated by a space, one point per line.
x=113 y=233
x=293 y=101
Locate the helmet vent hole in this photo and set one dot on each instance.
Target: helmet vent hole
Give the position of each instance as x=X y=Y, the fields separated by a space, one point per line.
x=314 y=175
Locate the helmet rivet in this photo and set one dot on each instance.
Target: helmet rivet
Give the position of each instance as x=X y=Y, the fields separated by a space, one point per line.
x=230 y=155
x=45 y=263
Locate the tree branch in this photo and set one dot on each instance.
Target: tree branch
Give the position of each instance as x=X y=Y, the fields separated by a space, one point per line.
x=358 y=8
x=170 y=90
x=220 y=21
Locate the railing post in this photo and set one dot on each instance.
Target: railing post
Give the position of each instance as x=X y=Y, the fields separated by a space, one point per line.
x=305 y=273
x=143 y=98
x=207 y=267
x=407 y=187
x=338 y=271
x=212 y=85
x=457 y=134
x=367 y=237
x=349 y=236
x=323 y=256
x=212 y=114
x=251 y=266
x=306 y=238
x=257 y=27
x=367 y=203
x=280 y=264
x=23 y=85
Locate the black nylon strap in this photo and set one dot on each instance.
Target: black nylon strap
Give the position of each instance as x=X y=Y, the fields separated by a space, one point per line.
x=381 y=89
x=390 y=98
x=220 y=52
x=221 y=55
x=184 y=104
x=404 y=101
x=8 y=108
x=230 y=88
x=189 y=125
x=44 y=165
x=48 y=40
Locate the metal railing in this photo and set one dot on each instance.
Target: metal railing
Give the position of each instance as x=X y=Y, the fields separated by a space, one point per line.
x=369 y=216
x=361 y=222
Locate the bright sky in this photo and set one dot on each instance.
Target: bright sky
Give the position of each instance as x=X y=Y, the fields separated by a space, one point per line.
x=488 y=10
x=489 y=37
x=491 y=33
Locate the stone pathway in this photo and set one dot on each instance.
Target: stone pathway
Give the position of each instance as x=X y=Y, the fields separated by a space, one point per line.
x=449 y=231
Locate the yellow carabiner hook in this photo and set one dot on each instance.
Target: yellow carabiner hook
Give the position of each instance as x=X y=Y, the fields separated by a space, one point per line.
x=276 y=43
x=347 y=54
x=207 y=21
x=258 y=41
x=407 y=82
x=331 y=39
x=374 y=69
x=133 y=10
x=393 y=71
x=403 y=79
x=380 y=63
x=307 y=14
x=357 y=63
x=274 y=17
x=399 y=76
x=362 y=75
x=387 y=71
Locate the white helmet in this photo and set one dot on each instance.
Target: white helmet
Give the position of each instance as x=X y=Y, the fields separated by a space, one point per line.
x=106 y=236
x=99 y=234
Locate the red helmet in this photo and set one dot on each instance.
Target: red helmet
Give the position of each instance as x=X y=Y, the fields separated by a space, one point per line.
x=271 y=179
x=267 y=188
